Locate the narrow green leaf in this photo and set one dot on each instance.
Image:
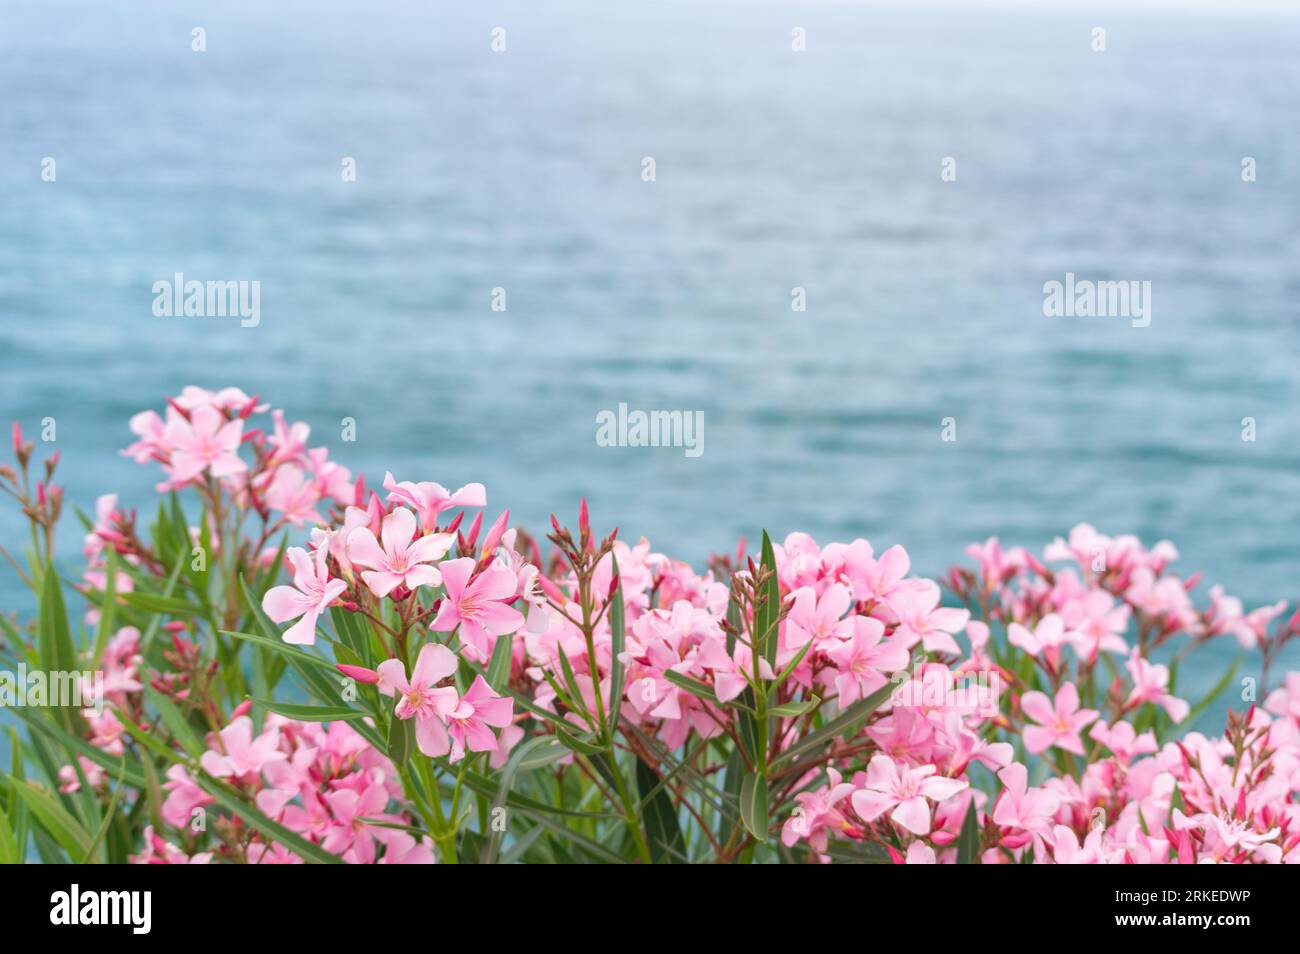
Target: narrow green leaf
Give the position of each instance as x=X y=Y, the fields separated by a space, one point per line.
x=313 y=713
x=753 y=805
x=498 y=670
x=55 y=819
x=401 y=740
x=968 y=842
x=693 y=686
x=662 y=827
x=617 y=641
x=768 y=611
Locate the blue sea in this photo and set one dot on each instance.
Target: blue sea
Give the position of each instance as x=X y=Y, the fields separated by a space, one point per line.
x=774 y=170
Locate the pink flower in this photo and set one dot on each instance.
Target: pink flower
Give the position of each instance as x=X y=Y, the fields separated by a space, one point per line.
x=205 y=442
x=1023 y=808
x=403 y=559
x=1058 y=725
x=729 y=672
x=1048 y=639
x=479 y=708
x=1122 y=739
x=905 y=791
x=430 y=499
x=479 y=606
x=311 y=594
x=1095 y=624
x=811 y=617
x=1067 y=851
x=151 y=430
x=184 y=796
x=817 y=812
x=1150 y=684
x=922 y=620
x=244 y=756
x=420 y=698
x=350 y=835
x=294 y=496
x=863 y=658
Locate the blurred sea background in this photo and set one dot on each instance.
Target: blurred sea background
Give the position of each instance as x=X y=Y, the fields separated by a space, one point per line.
x=775 y=169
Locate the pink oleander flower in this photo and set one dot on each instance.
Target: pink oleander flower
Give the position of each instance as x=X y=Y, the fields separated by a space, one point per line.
x=469 y=722
x=207 y=442
x=403 y=560
x=312 y=593
x=730 y=671
x=1021 y=808
x=1048 y=639
x=1150 y=684
x=479 y=605
x=160 y=852
x=351 y=834
x=922 y=620
x=905 y=790
x=429 y=500
x=288 y=442
x=1228 y=836
x=240 y=756
x=863 y=659
x=1095 y=624
x=812 y=617
x=1066 y=849
x=1122 y=739
x=818 y=812
x=420 y=698
x=231 y=400
x=294 y=496
x=1059 y=723
x=184 y=796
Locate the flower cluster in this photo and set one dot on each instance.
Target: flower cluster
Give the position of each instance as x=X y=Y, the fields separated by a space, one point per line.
x=809 y=701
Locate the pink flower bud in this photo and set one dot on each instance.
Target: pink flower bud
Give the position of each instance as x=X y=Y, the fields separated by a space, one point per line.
x=243 y=708
x=359 y=673
x=551 y=590
x=496 y=531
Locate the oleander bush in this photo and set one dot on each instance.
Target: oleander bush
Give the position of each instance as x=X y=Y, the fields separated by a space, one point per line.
x=282 y=664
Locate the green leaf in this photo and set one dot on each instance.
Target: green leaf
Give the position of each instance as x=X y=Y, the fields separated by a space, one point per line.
x=9 y=854
x=662 y=827
x=579 y=743
x=693 y=686
x=498 y=670
x=401 y=740
x=175 y=720
x=54 y=639
x=768 y=611
x=313 y=713
x=791 y=709
x=753 y=805
x=617 y=641
x=55 y=819
x=515 y=764
x=968 y=842
x=284 y=649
